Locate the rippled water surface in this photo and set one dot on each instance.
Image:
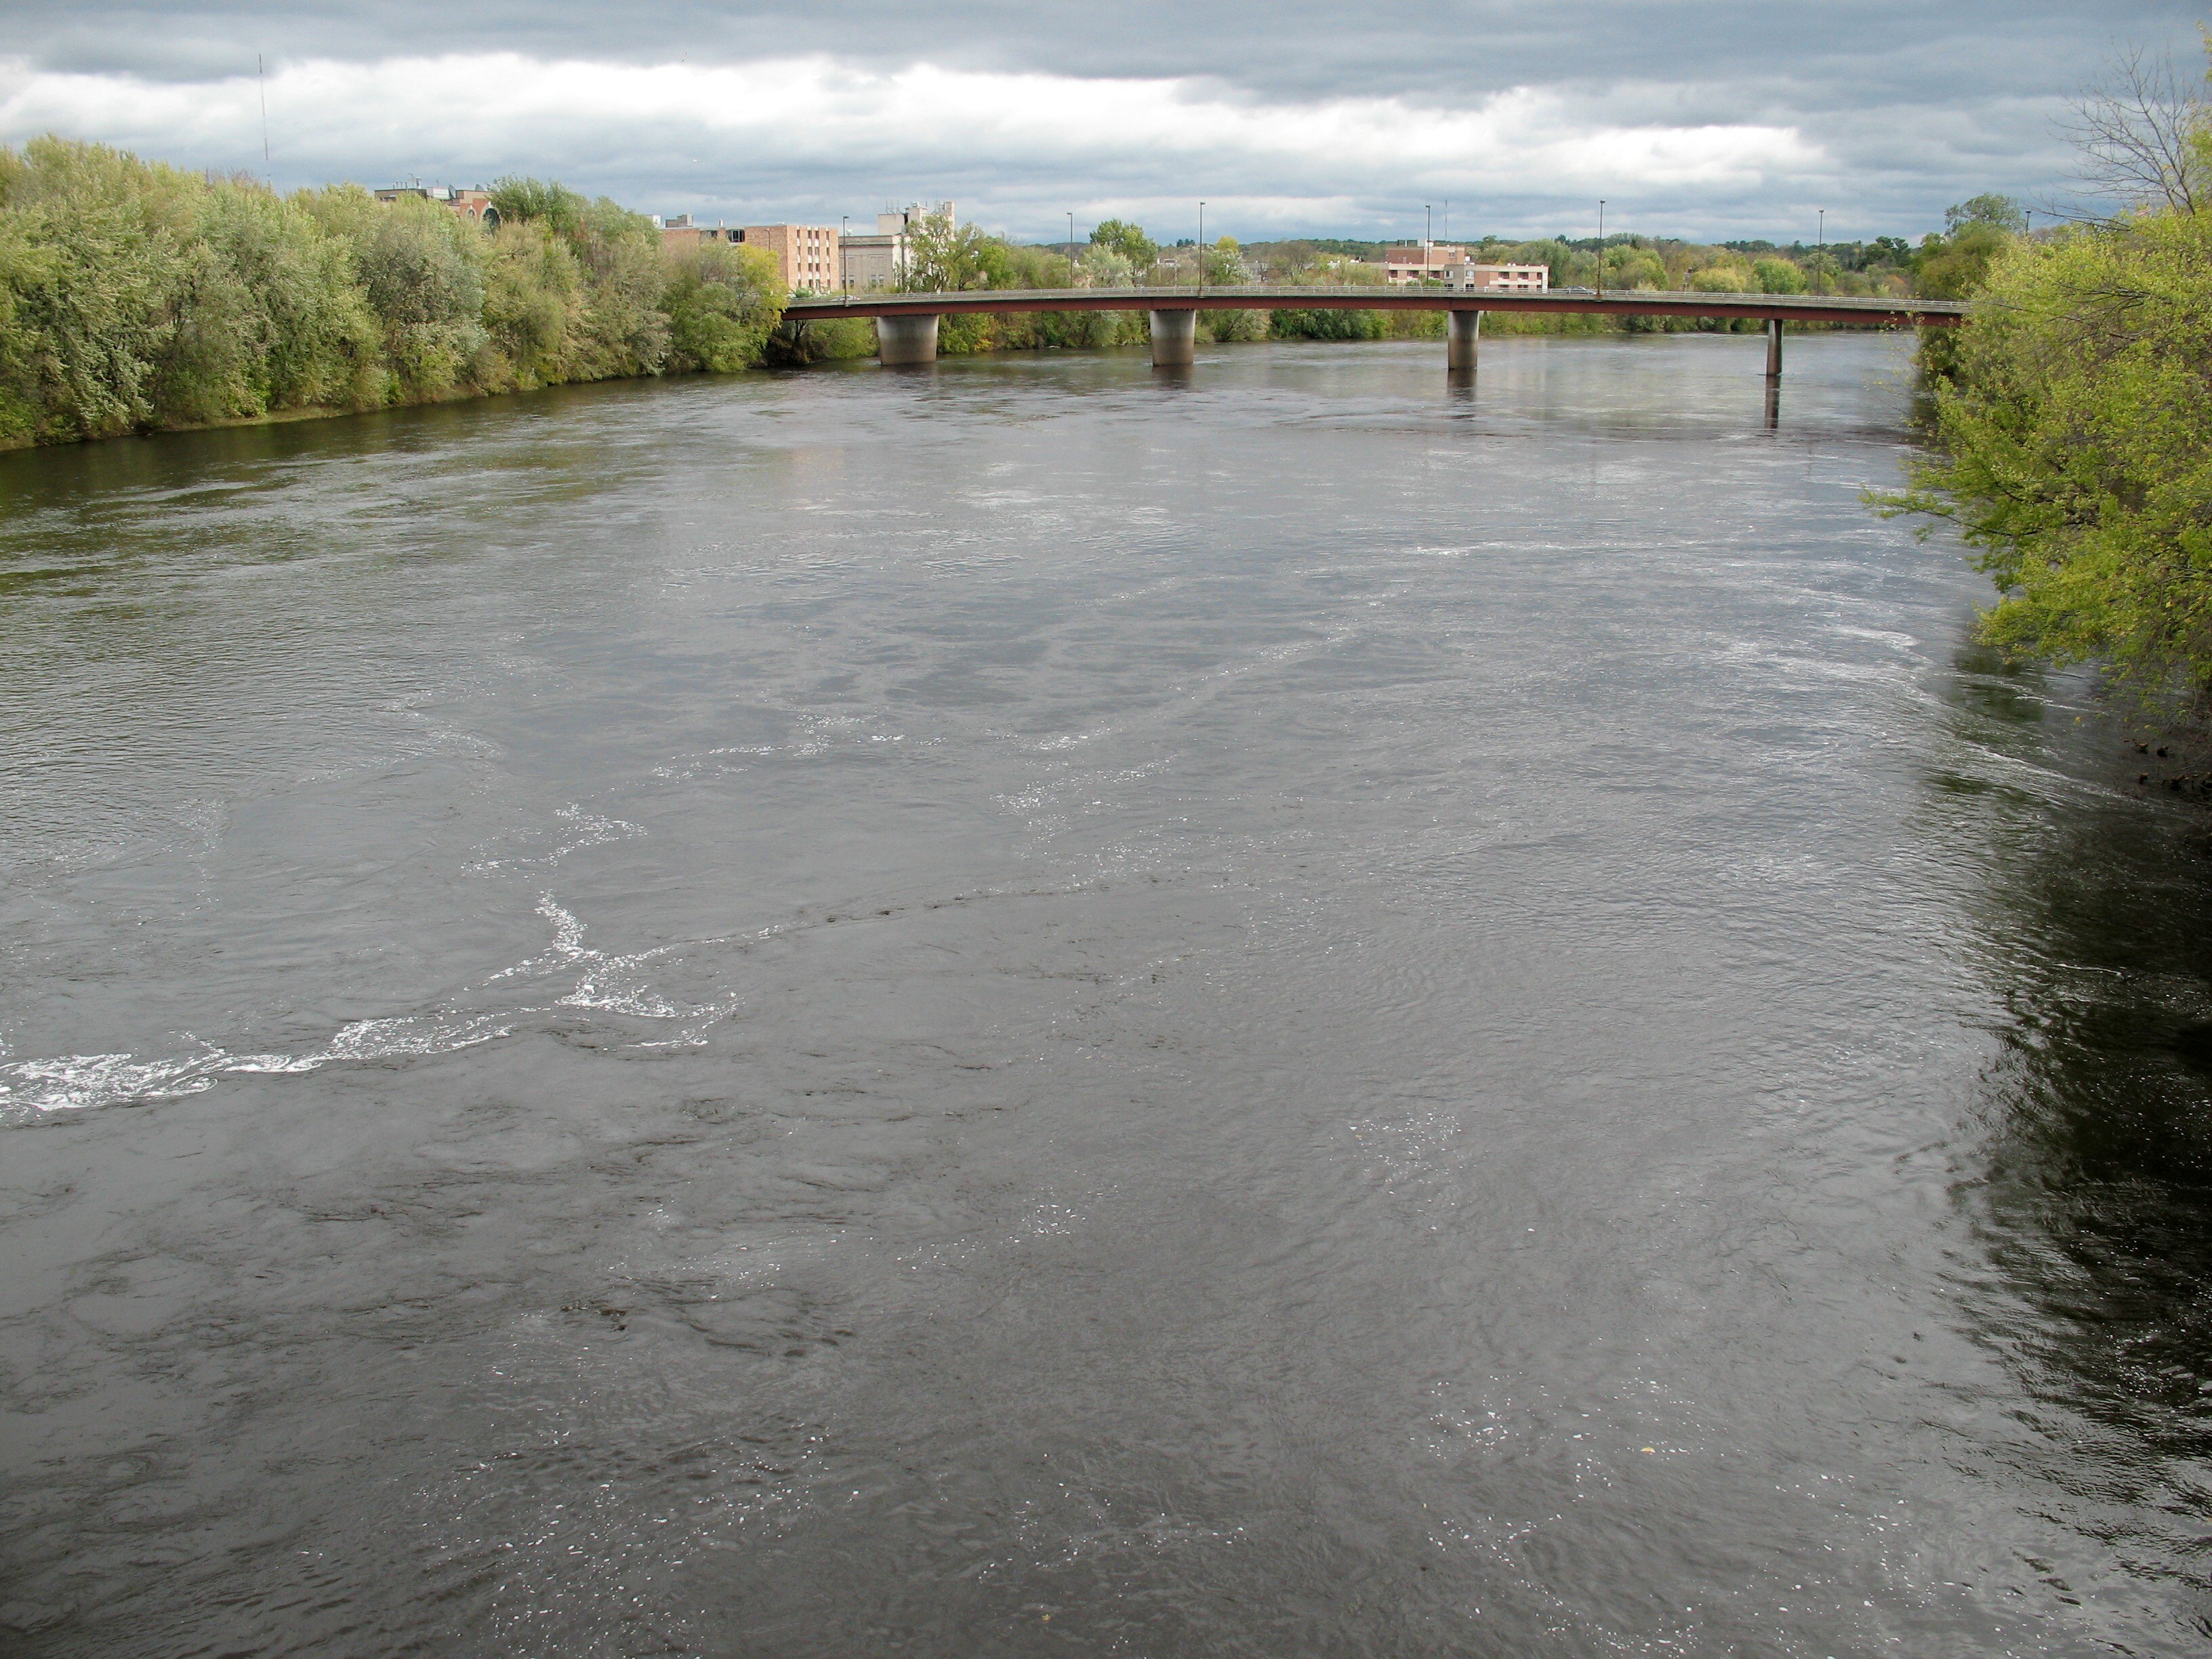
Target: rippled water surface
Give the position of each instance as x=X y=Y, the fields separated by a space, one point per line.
x=1030 y=1009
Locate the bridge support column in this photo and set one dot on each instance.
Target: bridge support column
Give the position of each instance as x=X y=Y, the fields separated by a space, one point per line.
x=1773 y=348
x=902 y=341
x=1175 y=338
x=1462 y=335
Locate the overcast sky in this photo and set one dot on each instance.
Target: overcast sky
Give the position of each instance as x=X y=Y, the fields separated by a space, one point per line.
x=1712 y=120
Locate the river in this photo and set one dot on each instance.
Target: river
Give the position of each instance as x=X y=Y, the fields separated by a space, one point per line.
x=1033 y=1008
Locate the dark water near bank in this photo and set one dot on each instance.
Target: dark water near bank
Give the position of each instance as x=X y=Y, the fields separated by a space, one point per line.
x=1021 y=1010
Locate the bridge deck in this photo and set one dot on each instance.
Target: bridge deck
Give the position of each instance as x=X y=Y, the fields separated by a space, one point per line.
x=1756 y=308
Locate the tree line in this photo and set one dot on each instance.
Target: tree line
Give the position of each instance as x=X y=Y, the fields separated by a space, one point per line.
x=136 y=297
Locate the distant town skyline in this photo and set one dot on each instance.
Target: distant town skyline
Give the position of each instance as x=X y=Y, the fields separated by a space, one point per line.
x=1714 y=122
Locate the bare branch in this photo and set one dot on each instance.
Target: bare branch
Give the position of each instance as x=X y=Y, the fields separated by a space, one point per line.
x=2134 y=130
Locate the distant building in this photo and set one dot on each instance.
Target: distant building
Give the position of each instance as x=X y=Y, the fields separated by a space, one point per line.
x=1422 y=262
x=880 y=261
x=677 y=230
x=473 y=203
x=1453 y=266
x=807 y=256
x=1517 y=279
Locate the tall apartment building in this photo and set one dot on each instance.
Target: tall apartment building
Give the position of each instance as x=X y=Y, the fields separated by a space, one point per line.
x=806 y=256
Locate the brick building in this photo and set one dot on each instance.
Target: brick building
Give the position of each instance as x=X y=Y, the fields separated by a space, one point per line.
x=473 y=204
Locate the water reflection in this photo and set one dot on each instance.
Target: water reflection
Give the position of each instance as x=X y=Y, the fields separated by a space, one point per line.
x=2089 y=1193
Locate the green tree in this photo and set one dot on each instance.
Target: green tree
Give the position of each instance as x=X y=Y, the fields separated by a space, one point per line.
x=722 y=302
x=1998 y=213
x=942 y=258
x=1776 y=275
x=1128 y=240
x=2072 y=455
x=422 y=268
x=544 y=201
x=533 y=306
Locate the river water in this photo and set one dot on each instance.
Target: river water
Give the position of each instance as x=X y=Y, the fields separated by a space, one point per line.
x=1029 y=1008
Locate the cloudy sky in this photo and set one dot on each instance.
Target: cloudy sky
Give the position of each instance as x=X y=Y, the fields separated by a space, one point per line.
x=1710 y=119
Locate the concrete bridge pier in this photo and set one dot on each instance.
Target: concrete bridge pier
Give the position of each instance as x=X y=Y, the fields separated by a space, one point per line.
x=1462 y=335
x=1773 y=348
x=903 y=341
x=1175 y=338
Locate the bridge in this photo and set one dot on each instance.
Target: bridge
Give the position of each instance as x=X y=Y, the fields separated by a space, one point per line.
x=906 y=324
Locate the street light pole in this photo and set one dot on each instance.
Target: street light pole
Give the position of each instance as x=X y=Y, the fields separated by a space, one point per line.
x=844 y=229
x=1601 y=247
x=1821 y=250
x=1071 y=250
x=1201 y=247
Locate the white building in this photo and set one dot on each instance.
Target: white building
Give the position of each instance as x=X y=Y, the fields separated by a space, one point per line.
x=879 y=261
x=1455 y=267
x=1513 y=279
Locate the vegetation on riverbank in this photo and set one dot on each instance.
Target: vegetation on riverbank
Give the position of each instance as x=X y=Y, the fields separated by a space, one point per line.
x=136 y=297
x=2073 y=452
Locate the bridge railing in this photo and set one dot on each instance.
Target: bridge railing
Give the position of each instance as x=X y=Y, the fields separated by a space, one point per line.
x=1849 y=309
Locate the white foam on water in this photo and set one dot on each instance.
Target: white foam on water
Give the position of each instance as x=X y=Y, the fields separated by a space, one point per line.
x=33 y=1089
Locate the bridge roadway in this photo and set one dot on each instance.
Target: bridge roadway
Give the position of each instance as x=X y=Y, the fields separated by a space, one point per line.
x=906 y=324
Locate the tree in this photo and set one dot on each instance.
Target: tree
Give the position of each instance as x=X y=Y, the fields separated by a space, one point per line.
x=1953 y=266
x=722 y=302
x=1224 y=264
x=2073 y=455
x=520 y=201
x=2138 y=133
x=1128 y=240
x=942 y=258
x=2000 y=213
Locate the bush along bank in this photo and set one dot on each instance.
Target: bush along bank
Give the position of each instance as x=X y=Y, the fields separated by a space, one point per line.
x=136 y=297
x=2071 y=449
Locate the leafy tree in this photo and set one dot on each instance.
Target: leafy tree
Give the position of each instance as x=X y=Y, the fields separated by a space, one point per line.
x=942 y=258
x=2068 y=412
x=722 y=302
x=1998 y=213
x=1128 y=240
x=1776 y=275
x=1104 y=267
x=1224 y=265
x=521 y=201
x=2074 y=454
x=533 y=305
x=422 y=269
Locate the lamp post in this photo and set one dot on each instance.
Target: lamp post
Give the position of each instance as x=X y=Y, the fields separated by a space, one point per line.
x=844 y=229
x=1201 y=247
x=1601 y=247
x=1070 y=249
x=1820 y=249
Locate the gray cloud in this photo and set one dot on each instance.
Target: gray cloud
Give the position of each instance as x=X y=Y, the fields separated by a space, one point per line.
x=1907 y=107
